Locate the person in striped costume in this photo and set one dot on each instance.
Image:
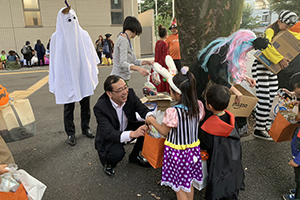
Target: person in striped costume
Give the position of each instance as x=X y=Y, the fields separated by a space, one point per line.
x=267 y=81
x=182 y=167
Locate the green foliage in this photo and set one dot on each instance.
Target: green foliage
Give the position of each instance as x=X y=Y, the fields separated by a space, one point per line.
x=165 y=21
x=248 y=21
x=164 y=7
x=279 y=5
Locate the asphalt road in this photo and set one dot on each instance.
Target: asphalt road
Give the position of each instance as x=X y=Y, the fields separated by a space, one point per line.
x=75 y=173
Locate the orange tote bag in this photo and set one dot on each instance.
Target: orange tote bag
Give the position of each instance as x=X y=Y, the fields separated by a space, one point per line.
x=153 y=150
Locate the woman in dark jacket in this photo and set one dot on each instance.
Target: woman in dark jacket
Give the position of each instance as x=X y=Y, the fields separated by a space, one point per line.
x=40 y=50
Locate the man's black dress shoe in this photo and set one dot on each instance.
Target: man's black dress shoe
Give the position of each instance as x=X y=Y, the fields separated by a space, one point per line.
x=72 y=140
x=139 y=160
x=88 y=132
x=109 y=170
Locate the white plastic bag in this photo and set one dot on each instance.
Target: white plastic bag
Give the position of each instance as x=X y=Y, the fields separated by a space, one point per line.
x=34 y=187
x=155 y=78
x=149 y=88
x=159 y=118
x=280 y=103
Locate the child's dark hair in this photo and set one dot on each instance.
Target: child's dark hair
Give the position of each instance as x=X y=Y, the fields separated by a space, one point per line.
x=218 y=97
x=187 y=86
x=131 y=23
x=295 y=81
x=162 y=32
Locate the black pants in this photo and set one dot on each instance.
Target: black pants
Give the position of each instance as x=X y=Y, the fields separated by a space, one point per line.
x=116 y=152
x=69 y=116
x=297 y=180
x=100 y=56
x=178 y=64
x=28 y=62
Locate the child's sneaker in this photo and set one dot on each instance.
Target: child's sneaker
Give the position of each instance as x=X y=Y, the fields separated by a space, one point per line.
x=289 y=197
x=262 y=135
x=292 y=191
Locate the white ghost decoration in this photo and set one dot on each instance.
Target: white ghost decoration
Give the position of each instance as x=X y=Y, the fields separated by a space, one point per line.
x=73 y=72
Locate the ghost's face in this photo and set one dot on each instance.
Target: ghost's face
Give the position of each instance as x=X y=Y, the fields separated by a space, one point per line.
x=69 y=22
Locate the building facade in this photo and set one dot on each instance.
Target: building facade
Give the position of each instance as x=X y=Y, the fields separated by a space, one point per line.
x=262 y=9
x=23 y=20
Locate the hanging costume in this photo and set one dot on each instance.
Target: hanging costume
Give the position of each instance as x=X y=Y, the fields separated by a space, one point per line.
x=73 y=61
x=225 y=170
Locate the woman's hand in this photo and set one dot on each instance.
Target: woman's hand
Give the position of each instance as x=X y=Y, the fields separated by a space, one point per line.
x=147 y=62
x=284 y=63
x=251 y=81
x=237 y=93
x=143 y=72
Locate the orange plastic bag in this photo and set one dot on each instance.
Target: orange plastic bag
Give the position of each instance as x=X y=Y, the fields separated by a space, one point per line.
x=3 y=96
x=20 y=194
x=282 y=130
x=153 y=150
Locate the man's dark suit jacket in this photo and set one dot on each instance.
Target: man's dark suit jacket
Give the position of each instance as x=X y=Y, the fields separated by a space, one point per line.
x=108 y=122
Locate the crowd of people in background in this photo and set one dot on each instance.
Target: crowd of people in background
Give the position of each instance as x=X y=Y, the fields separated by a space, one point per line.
x=37 y=56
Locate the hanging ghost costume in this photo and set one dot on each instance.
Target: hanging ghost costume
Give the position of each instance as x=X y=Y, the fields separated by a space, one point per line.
x=73 y=61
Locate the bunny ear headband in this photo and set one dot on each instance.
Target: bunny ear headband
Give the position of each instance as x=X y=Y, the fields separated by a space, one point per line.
x=169 y=74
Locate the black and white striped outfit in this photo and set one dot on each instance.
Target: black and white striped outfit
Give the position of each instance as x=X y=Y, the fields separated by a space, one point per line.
x=266 y=88
x=186 y=131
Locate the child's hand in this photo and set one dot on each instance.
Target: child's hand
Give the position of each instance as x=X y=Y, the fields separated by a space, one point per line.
x=149 y=120
x=2 y=169
x=293 y=164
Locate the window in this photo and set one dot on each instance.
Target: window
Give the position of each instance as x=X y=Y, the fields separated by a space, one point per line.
x=116 y=11
x=32 y=13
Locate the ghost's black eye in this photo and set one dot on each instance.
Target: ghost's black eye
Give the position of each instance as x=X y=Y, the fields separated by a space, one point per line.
x=69 y=20
x=74 y=17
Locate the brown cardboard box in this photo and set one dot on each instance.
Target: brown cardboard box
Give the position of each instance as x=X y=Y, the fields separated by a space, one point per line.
x=245 y=107
x=163 y=101
x=286 y=44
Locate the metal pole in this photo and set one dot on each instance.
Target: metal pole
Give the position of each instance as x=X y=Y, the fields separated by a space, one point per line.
x=156 y=9
x=173 y=8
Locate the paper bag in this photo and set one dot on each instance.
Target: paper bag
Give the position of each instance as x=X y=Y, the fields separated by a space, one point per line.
x=20 y=194
x=153 y=150
x=17 y=120
x=34 y=187
x=282 y=130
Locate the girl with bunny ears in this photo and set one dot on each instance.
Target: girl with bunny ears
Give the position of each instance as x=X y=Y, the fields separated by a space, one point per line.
x=182 y=167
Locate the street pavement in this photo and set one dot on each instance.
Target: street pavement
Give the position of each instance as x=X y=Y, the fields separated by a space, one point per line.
x=75 y=173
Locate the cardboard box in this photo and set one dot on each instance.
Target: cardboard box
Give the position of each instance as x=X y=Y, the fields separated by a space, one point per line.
x=163 y=101
x=286 y=44
x=247 y=104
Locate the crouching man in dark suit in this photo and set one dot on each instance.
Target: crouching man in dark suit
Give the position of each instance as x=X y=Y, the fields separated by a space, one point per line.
x=118 y=125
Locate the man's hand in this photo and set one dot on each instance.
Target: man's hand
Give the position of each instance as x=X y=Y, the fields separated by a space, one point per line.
x=2 y=169
x=139 y=132
x=293 y=164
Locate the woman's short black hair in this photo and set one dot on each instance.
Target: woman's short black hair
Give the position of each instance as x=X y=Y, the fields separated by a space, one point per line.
x=218 y=96
x=131 y=23
x=109 y=81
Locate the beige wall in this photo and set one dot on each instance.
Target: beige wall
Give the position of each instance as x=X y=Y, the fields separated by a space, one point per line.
x=93 y=16
x=147 y=19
